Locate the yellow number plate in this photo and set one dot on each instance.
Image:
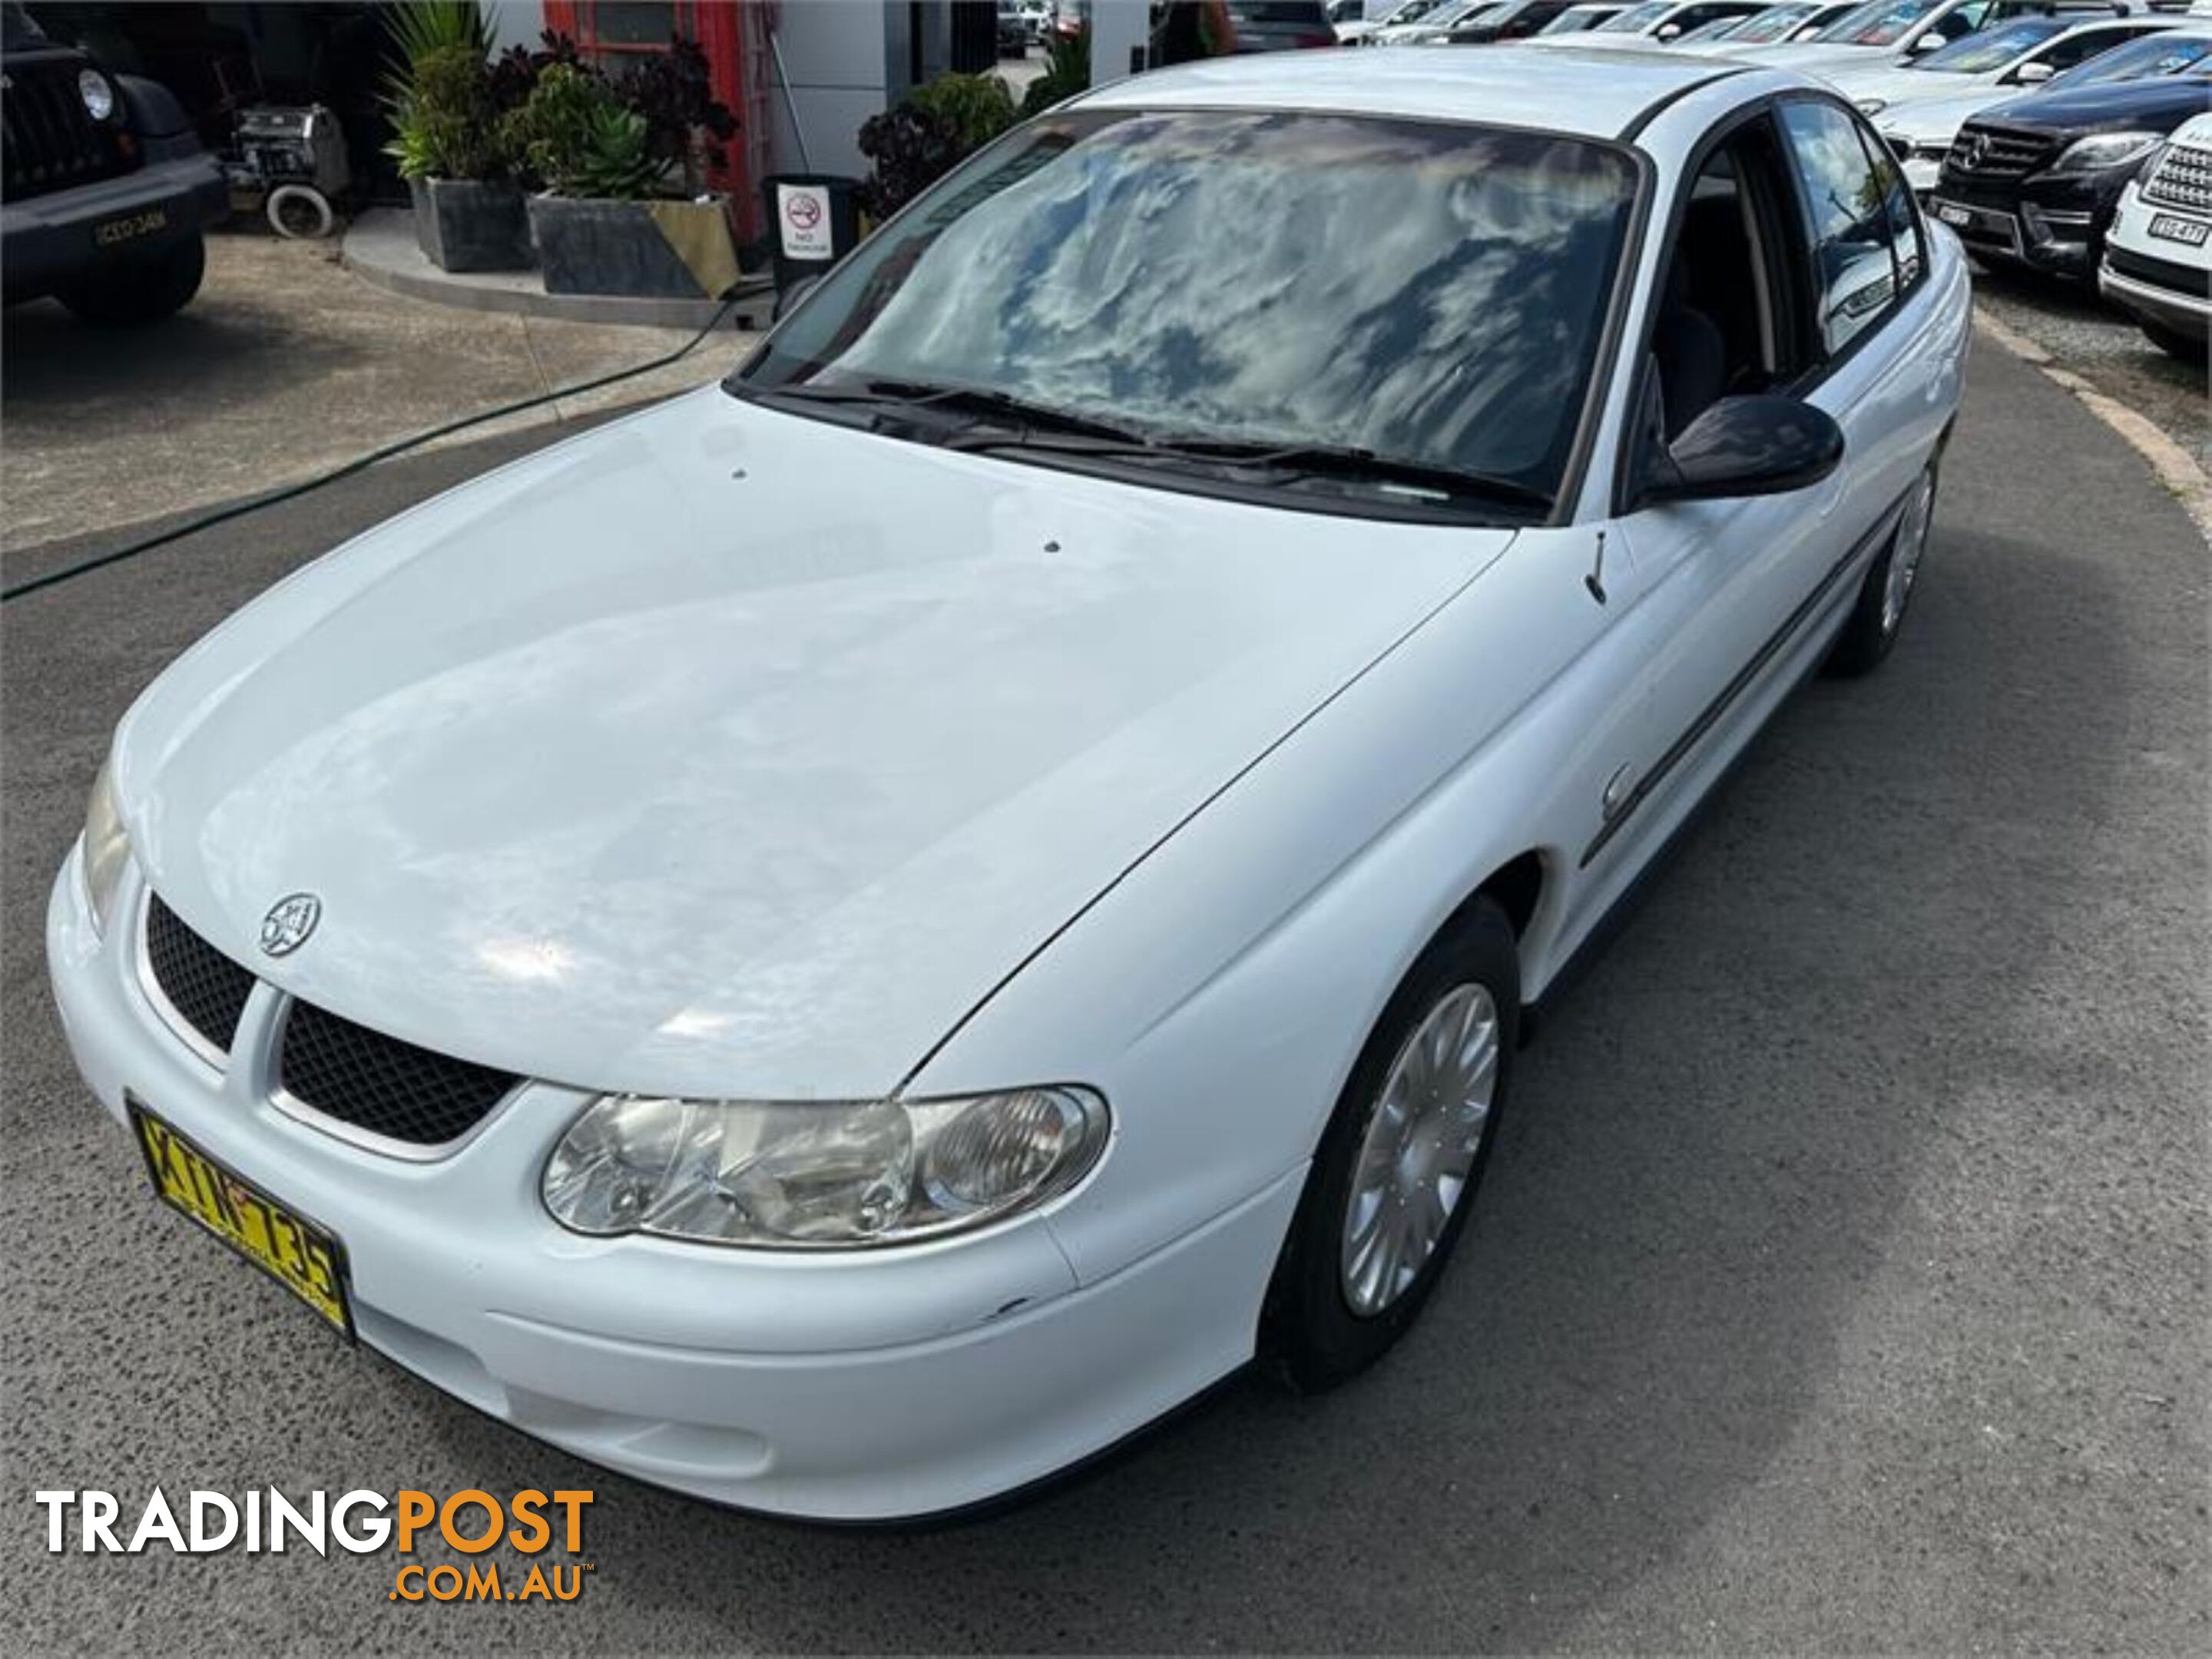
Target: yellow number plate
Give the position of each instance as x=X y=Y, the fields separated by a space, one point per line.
x=306 y=1259
x=131 y=228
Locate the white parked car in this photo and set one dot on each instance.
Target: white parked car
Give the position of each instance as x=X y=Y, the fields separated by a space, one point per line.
x=1879 y=31
x=1362 y=18
x=1436 y=27
x=2158 y=253
x=1655 y=23
x=1922 y=130
x=1999 y=61
x=1789 y=20
x=1420 y=30
x=846 y=942
x=1583 y=18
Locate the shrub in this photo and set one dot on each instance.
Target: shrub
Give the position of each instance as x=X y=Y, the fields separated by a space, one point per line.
x=1067 y=72
x=976 y=108
x=573 y=133
x=686 y=126
x=444 y=122
x=928 y=133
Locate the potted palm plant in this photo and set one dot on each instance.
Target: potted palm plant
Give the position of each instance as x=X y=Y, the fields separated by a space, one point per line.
x=468 y=213
x=623 y=208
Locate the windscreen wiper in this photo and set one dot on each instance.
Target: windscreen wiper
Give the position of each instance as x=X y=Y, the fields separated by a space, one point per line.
x=1351 y=462
x=1017 y=412
x=1345 y=462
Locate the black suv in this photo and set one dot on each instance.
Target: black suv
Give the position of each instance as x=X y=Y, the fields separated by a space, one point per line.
x=2035 y=181
x=104 y=188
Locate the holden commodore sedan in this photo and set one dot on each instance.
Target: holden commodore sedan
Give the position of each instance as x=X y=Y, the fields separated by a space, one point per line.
x=845 y=943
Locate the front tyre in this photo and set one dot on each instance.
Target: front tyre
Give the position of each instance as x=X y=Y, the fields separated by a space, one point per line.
x=142 y=289
x=1394 y=1178
x=1872 y=627
x=2172 y=340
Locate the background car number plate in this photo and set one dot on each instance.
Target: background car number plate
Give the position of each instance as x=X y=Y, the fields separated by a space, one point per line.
x=305 y=1259
x=1953 y=215
x=2192 y=231
x=134 y=225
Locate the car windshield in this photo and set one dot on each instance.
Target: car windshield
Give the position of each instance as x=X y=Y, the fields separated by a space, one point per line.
x=1772 y=24
x=1636 y=19
x=1993 y=48
x=1420 y=293
x=2141 y=60
x=1578 y=20
x=18 y=28
x=1412 y=11
x=1877 y=23
x=1462 y=12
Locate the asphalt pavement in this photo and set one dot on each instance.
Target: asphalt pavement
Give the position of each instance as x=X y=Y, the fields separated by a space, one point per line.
x=1840 y=1282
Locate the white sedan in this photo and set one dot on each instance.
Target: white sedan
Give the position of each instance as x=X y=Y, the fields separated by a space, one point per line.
x=1996 y=62
x=847 y=942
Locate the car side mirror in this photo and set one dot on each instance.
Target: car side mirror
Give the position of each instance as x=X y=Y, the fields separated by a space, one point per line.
x=1930 y=41
x=1666 y=31
x=1750 y=446
x=2028 y=74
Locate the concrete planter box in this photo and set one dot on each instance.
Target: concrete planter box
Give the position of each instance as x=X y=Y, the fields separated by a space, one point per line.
x=657 y=250
x=470 y=224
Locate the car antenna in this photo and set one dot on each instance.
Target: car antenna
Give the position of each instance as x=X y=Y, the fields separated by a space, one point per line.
x=1596 y=580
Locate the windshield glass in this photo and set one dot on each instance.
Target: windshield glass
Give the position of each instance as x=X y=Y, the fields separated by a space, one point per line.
x=1636 y=19
x=2139 y=60
x=1412 y=11
x=1772 y=24
x=1462 y=12
x=16 y=27
x=1575 y=20
x=1429 y=293
x=1877 y=23
x=1993 y=48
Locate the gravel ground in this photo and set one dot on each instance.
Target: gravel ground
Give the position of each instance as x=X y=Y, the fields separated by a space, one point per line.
x=1840 y=1284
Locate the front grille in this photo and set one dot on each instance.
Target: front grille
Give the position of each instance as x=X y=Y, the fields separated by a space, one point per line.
x=2169 y=274
x=47 y=142
x=1990 y=152
x=2183 y=180
x=382 y=1086
x=205 y=988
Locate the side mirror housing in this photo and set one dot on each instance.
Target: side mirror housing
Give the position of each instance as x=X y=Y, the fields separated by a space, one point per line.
x=1750 y=446
x=2029 y=74
x=1928 y=42
x=1667 y=31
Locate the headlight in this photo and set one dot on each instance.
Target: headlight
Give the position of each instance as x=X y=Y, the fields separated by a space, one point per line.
x=106 y=849
x=1872 y=105
x=97 y=92
x=803 y=1174
x=2104 y=149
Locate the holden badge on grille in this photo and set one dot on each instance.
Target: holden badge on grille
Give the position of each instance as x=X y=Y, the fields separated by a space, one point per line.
x=287 y=924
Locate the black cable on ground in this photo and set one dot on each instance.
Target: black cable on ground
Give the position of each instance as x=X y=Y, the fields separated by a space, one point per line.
x=238 y=509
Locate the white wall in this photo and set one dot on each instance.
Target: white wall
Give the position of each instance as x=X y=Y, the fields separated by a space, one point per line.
x=847 y=61
x=514 y=22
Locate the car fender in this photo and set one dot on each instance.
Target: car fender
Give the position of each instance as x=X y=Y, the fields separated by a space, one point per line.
x=1220 y=994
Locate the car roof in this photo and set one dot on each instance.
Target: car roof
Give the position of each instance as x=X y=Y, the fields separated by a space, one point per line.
x=1552 y=88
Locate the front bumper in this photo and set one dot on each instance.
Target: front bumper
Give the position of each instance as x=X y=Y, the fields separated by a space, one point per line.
x=48 y=240
x=2053 y=225
x=866 y=1386
x=2185 y=312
